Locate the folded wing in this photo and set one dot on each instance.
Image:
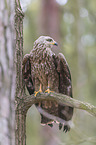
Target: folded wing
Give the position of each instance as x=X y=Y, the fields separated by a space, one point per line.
x=28 y=78
x=65 y=87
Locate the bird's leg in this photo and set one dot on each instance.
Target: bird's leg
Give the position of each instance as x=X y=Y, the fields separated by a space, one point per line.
x=48 y=90
x=40 y=90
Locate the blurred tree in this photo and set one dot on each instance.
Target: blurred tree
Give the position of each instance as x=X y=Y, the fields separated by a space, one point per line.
x=50 y=20
x=7 y=73
x=30 y=25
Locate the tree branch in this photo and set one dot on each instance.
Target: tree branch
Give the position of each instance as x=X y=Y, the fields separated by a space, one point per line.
x=29 y=100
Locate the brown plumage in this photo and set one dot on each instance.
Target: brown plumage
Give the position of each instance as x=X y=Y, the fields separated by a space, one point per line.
x=42 y=68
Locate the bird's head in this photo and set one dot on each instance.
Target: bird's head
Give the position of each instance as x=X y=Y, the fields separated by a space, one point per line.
x=46 y=41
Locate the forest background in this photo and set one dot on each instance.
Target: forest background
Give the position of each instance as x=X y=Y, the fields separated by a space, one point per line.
x=72 y=24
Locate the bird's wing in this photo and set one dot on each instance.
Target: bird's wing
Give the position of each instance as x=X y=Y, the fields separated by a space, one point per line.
x=65 y=87
x=26 y=71
x=65 y=84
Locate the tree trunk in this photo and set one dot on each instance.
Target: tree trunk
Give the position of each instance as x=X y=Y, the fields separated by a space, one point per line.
x=50 y=20
x=7 y=73
x=20 y=115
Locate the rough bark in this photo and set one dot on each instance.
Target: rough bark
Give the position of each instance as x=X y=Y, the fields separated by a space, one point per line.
x=7 y=73
x=20 y=115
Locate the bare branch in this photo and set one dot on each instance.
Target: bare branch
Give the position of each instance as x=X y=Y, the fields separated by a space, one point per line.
x=29 y=100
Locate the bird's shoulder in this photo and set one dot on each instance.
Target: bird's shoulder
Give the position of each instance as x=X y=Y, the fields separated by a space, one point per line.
x=26 y=58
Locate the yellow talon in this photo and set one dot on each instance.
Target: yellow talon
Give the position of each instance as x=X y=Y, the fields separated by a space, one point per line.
x=40 y=90
x=48 y=91
x=37 y=92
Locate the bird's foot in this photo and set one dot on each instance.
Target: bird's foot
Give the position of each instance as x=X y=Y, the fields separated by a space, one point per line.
x=48 y=91
x=66 y=128
x=36 y=92
x=40 y=91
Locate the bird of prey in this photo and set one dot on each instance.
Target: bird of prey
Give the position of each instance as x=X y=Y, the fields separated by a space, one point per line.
x=44 y=71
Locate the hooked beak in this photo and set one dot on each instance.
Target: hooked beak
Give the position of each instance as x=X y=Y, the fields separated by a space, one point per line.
x=55 y=43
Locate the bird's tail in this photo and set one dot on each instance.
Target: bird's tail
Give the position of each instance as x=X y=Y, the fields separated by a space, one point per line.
x=45 y=120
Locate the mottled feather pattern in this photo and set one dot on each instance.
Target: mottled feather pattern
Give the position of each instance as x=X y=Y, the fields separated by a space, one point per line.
x=43 y=67
x=28 y=78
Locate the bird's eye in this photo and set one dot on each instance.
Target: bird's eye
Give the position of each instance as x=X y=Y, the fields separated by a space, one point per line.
x=50 y=40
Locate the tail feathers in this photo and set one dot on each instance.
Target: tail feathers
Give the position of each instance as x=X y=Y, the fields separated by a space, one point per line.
x=45 y=120
x=60 y=115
